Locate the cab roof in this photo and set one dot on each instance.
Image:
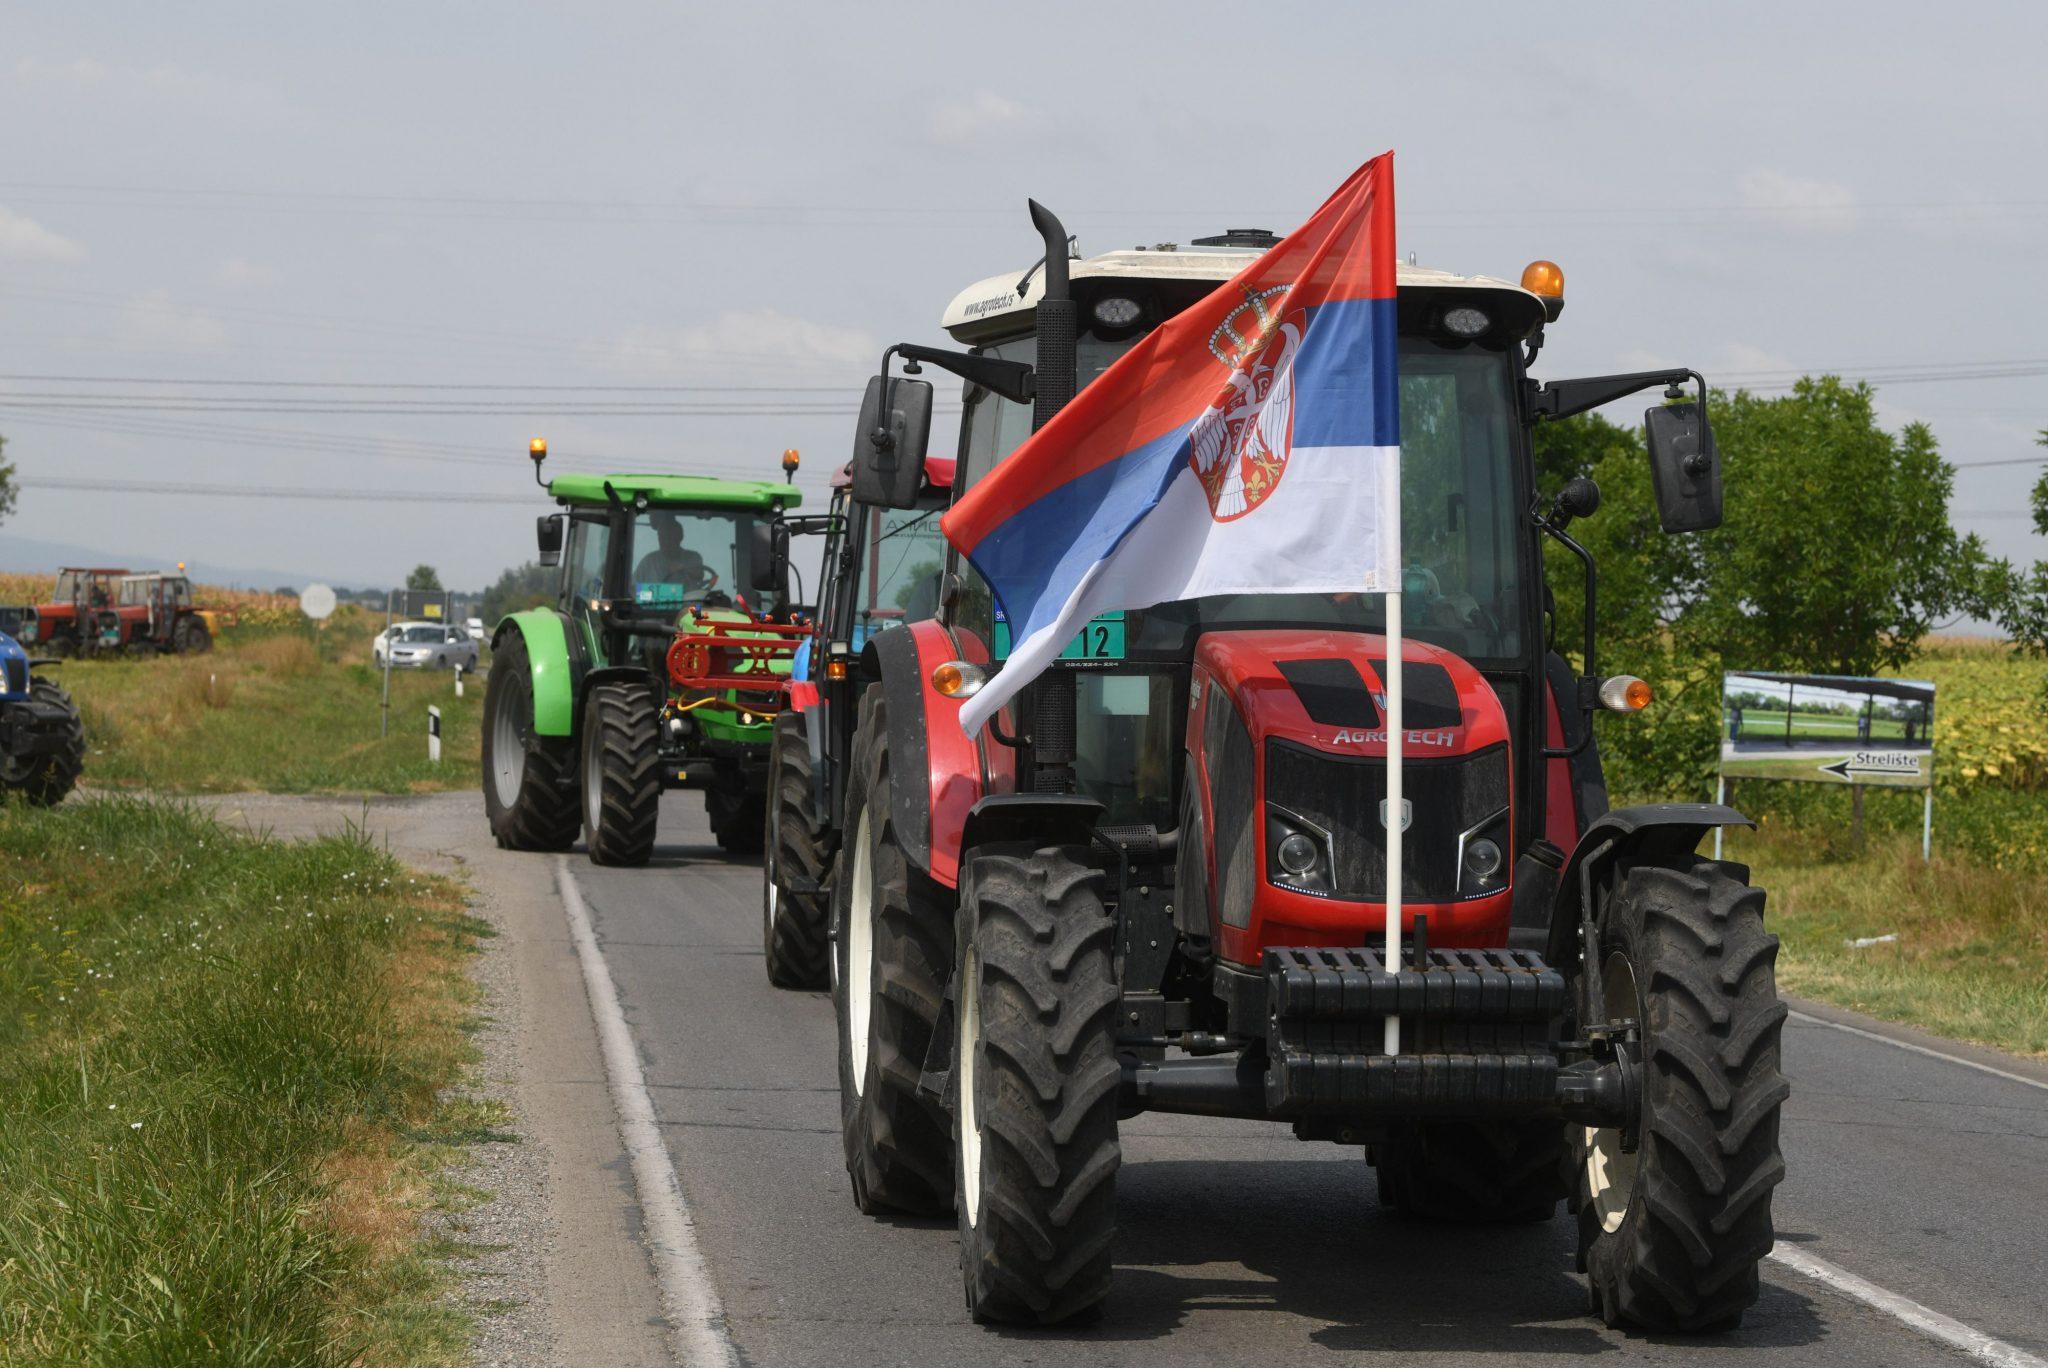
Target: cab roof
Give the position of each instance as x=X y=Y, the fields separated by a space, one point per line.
x=677 y=490
x=991 y=306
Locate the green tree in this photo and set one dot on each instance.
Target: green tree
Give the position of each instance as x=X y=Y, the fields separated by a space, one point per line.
x=423 y=577
x=9 y=490
x=2024 y=613
x=531 y=585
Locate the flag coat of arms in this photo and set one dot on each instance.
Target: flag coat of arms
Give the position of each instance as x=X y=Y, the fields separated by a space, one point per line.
x=1250 y=444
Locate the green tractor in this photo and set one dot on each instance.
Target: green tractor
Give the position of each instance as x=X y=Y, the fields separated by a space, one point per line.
x=659 y=664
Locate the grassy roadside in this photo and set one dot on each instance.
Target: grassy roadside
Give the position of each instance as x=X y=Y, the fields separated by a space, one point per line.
x=222 y=1058
x=1972 y=941
x=276 y=712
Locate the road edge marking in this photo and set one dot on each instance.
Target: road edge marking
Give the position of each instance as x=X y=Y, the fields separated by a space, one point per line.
x=1807 y=1018
x=1930 y=1323
x=695 y=1316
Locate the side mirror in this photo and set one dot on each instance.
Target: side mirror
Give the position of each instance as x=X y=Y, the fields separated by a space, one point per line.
x=768 y=566
x=549 y=529
x=1685 y=468
x=889 y=448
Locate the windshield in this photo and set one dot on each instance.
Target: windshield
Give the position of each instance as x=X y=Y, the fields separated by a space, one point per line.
x=1460 y=518
x=906 y=559
x=996 y=427
x=423 y=636
x=684 y=558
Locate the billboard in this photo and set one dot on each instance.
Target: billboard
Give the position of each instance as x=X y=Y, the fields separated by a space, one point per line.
x=1829 y=729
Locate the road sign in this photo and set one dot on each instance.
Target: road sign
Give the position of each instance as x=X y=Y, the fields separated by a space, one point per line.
x=316 y=601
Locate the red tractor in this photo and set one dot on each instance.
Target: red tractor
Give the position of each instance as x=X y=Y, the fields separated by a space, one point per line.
x=1157 y=881
x=96 y=611
x=882 y=567
x=70 y=623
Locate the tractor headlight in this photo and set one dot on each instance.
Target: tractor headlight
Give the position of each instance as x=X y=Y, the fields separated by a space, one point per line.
x=1117 y=311
x=1463 y=320
x=1297 y=854
x=1482 y=857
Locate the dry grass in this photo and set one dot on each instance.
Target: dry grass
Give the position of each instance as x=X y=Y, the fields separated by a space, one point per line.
x=1972 y=941
x=280 y=712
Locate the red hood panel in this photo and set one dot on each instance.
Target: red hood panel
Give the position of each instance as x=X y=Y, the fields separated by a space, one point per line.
x=1291 y=683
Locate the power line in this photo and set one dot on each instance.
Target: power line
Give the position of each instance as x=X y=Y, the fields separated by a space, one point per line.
x=26 y=378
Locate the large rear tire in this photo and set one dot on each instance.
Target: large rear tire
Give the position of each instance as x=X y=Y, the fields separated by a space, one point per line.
x=794 y=928
x=621 y=778
x=1474 y=1172
x=529 y=780
x=1035 y=1087
x=44 y=780
x=892 y=949
x=1670 y=1234
x=190 y=636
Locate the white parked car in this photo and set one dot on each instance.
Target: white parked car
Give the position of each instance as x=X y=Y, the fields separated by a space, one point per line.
x=476 y=628
x=425 y=646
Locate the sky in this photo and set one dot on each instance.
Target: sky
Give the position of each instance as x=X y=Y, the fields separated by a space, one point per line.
x=343 y=248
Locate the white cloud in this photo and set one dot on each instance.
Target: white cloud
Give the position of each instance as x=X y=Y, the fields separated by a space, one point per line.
x=236 y=273
x=80 y=71
x=747 y=339
x=972 y=121
x=160 y=82
x=1800 y=202
x=23 y=239
x=154 y=322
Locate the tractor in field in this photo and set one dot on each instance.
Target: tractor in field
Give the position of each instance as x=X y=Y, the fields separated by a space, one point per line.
x=102 y=611
x=42 y=740
x=660 y=664
x=71 y=622
x=882 y=568
x=1156 y=882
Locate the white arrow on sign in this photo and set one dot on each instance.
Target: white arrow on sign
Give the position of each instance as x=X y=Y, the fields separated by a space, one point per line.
x=1874 y=762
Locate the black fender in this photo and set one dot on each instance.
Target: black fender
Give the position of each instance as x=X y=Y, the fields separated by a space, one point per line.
x=891 y=657
x=1650 y=833
x=1033 y=820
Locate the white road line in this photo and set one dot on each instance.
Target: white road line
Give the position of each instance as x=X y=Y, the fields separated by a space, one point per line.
x=696 y=1320
x=1932 y=1324
x=1920 y=1050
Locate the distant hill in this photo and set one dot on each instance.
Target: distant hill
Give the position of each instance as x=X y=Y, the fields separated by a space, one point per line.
x=33 y=555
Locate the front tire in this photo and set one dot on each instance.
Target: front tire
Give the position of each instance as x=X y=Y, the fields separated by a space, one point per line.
x=793 y=924
x=1036 y=1087
x=44 y=780
x=190 y=637
x=1670 y=1234
x=621 y=784
x=529 y=780
x=892 y=948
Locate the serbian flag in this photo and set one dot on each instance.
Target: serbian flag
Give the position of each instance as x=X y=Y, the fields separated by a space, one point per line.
x=1251 y=444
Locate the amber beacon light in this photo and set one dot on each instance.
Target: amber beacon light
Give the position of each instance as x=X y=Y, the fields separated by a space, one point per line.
x=1545 y=279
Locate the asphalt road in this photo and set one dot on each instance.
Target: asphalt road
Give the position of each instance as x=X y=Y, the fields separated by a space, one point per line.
x=1240 y=1244
x=1237 y=1244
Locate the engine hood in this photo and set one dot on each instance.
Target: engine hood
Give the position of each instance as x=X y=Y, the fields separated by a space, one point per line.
x=1327 y=690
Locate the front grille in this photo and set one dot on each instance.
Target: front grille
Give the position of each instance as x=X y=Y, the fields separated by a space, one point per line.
x=1342 y=794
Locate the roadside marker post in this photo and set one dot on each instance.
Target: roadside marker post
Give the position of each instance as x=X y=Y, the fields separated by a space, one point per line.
x=433 y=733
x=458 y=679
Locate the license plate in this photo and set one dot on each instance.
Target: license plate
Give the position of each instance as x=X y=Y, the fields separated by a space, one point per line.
x=1101 y=639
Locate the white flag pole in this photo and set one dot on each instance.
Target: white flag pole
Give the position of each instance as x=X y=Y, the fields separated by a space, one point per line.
x=1395 y=827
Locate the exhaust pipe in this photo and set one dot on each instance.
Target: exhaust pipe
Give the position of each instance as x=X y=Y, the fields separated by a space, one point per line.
x=1059 y=324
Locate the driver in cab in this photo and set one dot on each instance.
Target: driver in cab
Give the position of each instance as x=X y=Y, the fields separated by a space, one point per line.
x=671 y=562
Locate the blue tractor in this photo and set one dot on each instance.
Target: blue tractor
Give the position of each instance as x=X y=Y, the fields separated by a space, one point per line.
x=42 y=740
